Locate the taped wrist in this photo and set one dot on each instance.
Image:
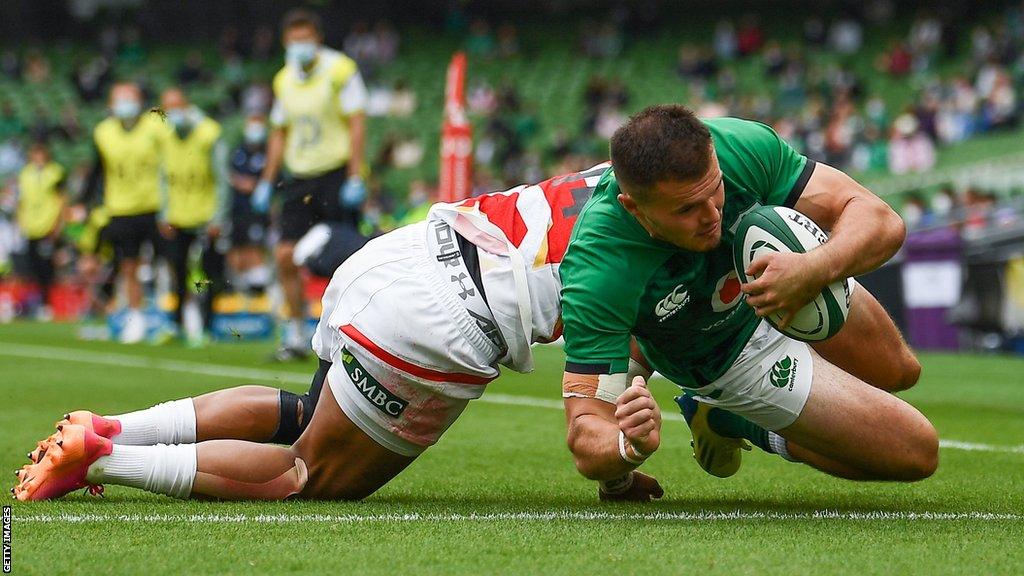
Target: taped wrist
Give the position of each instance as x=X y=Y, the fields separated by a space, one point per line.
x=616 y=485
x=636 y=369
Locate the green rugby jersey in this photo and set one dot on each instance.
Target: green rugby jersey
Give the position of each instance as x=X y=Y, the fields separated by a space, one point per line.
x=684 y=308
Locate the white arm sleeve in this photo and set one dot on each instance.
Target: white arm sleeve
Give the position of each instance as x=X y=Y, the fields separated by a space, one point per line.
x=352 y=97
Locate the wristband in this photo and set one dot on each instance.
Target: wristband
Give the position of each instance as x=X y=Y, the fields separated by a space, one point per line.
x=617 y=485
x=625 y=456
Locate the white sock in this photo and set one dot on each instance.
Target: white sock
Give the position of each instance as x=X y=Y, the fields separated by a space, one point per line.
x=295 y=334
x=161 y=469
x=778 y=444
x=171 y=422
x=259 y=276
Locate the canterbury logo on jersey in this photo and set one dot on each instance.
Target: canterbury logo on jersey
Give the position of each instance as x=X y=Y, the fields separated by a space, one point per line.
x=382 y=398
x=672 y=303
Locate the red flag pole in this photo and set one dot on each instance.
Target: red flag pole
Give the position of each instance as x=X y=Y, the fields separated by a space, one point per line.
x=456 y=180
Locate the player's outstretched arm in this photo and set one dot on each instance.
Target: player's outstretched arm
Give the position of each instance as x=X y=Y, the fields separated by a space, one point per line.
x=609 y=440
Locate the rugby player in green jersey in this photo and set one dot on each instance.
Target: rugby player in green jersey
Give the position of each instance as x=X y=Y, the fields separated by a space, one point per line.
x=650 y=259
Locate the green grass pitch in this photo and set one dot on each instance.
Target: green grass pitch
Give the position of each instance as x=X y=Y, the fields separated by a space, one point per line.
x=499 y=493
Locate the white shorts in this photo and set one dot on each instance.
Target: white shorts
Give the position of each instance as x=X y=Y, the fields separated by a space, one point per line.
x=406 y=355
x=769 y=382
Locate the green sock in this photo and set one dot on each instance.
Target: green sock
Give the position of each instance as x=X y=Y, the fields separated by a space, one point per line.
x=725 y=423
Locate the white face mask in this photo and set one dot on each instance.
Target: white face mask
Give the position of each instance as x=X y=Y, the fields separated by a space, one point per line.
x=126 y=108
x=255 y=134
x=178 y=118
x=301 y=53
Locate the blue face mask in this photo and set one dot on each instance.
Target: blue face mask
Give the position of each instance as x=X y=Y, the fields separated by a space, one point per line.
x=301 y=53
x=126 y=109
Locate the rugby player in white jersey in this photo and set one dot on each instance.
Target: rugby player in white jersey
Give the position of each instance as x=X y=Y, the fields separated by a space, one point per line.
x=414 y=326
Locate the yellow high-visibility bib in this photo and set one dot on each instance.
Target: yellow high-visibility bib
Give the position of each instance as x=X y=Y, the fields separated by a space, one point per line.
x=39 y=199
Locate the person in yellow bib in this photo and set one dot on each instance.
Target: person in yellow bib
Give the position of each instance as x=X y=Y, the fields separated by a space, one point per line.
x=194 y=160
x=126 y=176
x=318 y=134
x=40 y=209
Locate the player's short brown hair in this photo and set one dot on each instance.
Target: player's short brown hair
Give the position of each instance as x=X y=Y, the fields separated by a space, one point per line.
x=301 y=17
x=663 y=143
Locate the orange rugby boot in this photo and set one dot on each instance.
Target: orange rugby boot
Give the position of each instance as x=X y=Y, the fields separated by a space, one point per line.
x=63 y=466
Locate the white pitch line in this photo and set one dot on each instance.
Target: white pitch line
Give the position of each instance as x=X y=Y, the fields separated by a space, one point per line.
x=699 y=516
x=280 y=376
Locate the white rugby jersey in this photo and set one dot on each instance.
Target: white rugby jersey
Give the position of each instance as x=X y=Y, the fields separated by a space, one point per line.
x=522 y=235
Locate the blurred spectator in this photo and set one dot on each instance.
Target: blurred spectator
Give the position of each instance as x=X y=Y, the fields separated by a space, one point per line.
x=361 y=45
x=125 y=179
x=10 y=64
x=10 y=123
x=399 y=152
x=481 y=98
x=12 y=157
x=696 y=63
x=916 y=212
x=232 y=73
x=603 y=42
x=256 y=99
x=195 y=192
x=109 y=41
x=508 y=40
x=725 y=40
x=609 y=118
x=480 y=42
x=945 y=202
x=1000 y=106
x=37 y=68
x=229 y=45
x=897 y=60
x=846 y=36
x=132 y=52
x=41 y=129
x=388 y=43
x=910 y=149
x=91 y=78
x=40 y=209
x=70 y=128
x=403 y=100
x=815 y=32
x=750 y=36
x=246 y=258
x=262 y=43
x=774 y=59
x=978 y=208
x=192 y=71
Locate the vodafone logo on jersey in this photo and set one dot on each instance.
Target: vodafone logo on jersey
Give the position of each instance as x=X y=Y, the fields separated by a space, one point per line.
x=727 y=293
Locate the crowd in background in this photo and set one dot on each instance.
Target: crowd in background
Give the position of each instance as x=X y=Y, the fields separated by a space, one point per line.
x=966 y=79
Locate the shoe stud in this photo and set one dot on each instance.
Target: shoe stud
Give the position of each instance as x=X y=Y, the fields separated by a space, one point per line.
x=60 y=427
x=60 y=443
x=67 y=416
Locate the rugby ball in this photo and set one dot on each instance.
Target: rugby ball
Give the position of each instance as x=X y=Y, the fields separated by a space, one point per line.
x=778 y=229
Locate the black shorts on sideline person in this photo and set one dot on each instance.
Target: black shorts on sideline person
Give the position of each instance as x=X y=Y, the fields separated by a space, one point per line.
x=309 y=201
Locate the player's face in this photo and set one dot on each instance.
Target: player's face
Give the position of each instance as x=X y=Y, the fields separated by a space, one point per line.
x=686 y=214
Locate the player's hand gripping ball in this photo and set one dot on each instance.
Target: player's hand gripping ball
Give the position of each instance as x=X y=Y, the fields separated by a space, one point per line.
x=774 y=235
